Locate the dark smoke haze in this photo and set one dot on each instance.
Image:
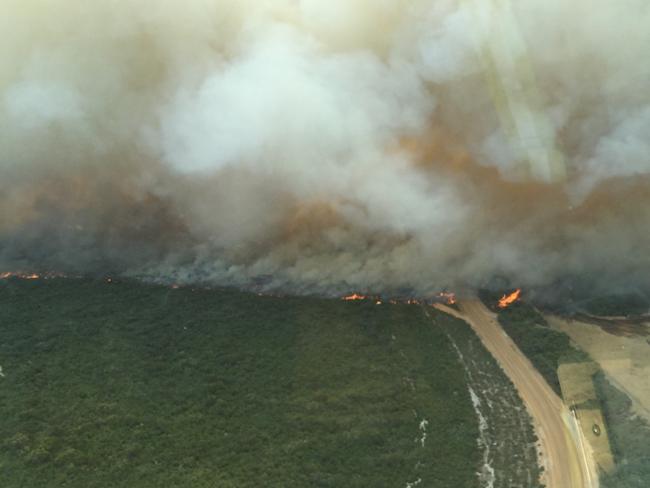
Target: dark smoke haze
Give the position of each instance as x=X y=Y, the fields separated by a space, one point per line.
x=328 y=145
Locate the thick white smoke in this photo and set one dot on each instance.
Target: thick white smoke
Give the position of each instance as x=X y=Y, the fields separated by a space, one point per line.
x=323 y=145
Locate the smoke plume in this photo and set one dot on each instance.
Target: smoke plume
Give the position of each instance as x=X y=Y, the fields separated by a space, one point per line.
x=328 y=145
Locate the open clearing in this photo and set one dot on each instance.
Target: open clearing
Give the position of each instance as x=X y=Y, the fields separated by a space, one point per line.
x=625 y=359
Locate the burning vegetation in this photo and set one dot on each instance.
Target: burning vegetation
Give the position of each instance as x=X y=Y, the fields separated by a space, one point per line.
x=508 y=299
x=354 y=297
x=22 y=275
x=448 y=297
x=445 y=297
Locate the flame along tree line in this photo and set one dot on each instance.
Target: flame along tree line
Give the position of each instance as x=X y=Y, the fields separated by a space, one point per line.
x=443 y=297
x=509 y=298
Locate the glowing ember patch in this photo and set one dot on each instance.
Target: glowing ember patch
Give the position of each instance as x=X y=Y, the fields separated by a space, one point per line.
x=354 y=297
x=449 y=298
x=20 y=275
x=507 y=300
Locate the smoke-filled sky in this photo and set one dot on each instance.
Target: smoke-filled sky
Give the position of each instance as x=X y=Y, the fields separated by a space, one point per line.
x=328 y=145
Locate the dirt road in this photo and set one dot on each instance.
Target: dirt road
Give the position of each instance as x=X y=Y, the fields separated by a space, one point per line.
x=567 y=461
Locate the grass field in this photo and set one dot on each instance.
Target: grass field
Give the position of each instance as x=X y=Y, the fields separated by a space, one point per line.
x=130 y=385
x=630 y=438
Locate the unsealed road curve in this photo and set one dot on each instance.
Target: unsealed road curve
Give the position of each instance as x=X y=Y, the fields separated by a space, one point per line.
x=564 y=465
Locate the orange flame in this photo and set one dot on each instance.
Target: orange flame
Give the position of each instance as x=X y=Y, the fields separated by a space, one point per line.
x=507 y=300
x=17 y=274
x=22 y=275
x=353 y=297
x=448 y=297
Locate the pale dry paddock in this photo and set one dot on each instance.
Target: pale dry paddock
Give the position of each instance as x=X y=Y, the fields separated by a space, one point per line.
x=624 y=359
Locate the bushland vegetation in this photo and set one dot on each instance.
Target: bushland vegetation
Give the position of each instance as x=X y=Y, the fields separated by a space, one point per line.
x=133 y=385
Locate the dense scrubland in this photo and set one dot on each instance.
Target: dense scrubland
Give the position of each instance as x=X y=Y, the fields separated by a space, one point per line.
x=125 y=384
x=507 y=436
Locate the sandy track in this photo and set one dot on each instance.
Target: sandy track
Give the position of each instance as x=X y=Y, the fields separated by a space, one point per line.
x=567 y=462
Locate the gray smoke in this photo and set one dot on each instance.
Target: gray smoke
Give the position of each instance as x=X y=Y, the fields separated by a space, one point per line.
x=328 y=145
